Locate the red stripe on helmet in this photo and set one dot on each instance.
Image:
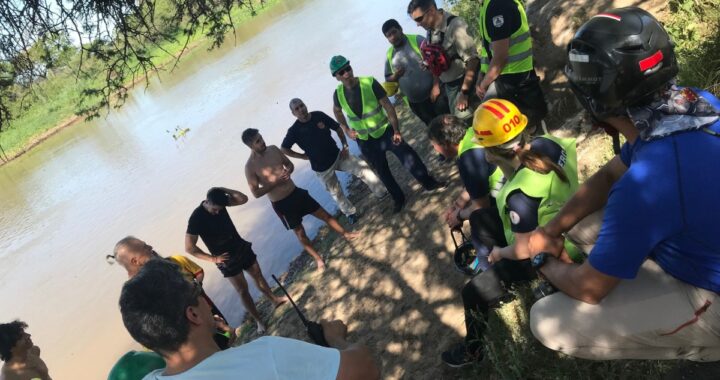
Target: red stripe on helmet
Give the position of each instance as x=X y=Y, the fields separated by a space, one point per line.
x=499 y=104
x=609 y=15
x=485 y=133
x=651 y=61
x=494 y=111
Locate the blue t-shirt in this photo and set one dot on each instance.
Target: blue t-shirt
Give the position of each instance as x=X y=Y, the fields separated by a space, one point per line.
x=665 y=207
x=314 y=138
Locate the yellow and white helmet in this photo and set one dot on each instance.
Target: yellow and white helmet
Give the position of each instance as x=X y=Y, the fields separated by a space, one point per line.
x=496 y=122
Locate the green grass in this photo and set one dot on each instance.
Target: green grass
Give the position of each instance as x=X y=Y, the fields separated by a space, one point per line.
x=55 y=100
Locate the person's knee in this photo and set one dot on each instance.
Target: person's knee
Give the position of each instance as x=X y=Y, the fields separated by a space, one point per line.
x=301 y=235
x=544 y=322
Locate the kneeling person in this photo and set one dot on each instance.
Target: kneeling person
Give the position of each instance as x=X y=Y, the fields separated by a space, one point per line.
x=542 y=175
x=450 y=137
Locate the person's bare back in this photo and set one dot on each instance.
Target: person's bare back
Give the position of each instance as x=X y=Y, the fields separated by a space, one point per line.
x=269 y=170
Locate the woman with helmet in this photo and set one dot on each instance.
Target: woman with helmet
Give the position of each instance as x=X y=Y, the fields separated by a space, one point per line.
x=541 y=175
x=650 y=288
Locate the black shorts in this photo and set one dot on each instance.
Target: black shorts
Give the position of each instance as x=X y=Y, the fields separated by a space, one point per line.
x=292 y=208
x=240 y=259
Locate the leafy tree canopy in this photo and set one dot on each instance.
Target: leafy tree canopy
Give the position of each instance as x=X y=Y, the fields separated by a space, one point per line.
x=110 y=39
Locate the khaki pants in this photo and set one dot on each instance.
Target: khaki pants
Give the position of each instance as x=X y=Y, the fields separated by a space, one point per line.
x=653 y=316
x=357 y=167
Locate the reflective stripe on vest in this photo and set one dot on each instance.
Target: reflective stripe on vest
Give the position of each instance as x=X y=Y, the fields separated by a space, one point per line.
x=412 y=39
x=497 y=179
x=520 y=54
x=373 y=120
x=549 y=188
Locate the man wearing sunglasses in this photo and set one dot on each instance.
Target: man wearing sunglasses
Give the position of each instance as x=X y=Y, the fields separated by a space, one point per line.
x=167 y=314
x=450 y=34
x=370 y=113
x=311 y=132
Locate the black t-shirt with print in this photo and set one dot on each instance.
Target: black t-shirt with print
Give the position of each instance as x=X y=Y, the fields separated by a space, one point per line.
x=314 y=138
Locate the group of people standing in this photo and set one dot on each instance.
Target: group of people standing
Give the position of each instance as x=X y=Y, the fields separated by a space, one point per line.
x=630 y=259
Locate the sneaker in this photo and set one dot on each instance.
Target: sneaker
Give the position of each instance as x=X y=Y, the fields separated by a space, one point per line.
x=352 y=219
x=437 y=185
x=458 y=356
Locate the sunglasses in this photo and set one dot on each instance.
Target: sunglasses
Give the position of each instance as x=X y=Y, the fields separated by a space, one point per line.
x=420 y=18
x=343 y=70
x=297 y=107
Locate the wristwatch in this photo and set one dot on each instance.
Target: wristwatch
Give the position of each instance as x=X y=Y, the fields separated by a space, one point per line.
x=465 y=92
x=540 y=259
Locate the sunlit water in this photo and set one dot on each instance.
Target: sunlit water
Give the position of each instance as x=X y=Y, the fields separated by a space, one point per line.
x=66 y=203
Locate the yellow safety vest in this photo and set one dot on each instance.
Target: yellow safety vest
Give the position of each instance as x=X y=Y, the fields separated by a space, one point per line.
x=373 y=120
x=520 y=58
x=412 y=39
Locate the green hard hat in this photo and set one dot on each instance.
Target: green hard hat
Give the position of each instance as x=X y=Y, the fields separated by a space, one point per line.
x=135 y=365
x=337 y=62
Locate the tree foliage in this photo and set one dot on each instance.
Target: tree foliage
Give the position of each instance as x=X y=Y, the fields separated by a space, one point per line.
x=110 y=38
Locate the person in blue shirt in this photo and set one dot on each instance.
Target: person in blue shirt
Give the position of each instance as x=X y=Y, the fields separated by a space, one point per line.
x=649 y=289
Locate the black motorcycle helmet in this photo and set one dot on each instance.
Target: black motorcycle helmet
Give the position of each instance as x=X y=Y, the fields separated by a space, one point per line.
x=618 y=59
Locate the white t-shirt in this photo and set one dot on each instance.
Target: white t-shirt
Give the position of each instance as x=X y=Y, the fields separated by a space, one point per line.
x=264 y=358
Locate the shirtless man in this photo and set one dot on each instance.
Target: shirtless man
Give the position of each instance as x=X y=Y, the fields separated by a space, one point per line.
x=21 y=356
x=268 y=172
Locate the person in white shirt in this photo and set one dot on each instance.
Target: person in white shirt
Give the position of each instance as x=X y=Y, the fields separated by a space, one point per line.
x=166 y=313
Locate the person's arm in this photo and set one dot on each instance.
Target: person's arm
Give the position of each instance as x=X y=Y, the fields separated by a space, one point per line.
x=393 y=119
x=391 y=76
x=435 y=90
x=590 y=197
x=289 y=166
x=519 y=250
x=254 y=183
x=293 y=154
x=345 y=151
x=467 y=50
x=340 y=117
x=356 y=360
x=500 y=51
x=579 y=281
x=235 y=198
x=192 y=248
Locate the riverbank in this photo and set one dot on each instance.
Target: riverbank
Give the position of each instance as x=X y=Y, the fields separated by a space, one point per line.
x=399 y=293
x=62 y=91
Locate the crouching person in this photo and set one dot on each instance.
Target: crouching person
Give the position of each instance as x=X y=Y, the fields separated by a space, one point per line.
x=541 y=175
x=649 y=289
x=166 y=313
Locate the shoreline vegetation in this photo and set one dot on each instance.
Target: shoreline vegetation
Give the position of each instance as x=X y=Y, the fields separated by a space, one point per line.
x=56 y=105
